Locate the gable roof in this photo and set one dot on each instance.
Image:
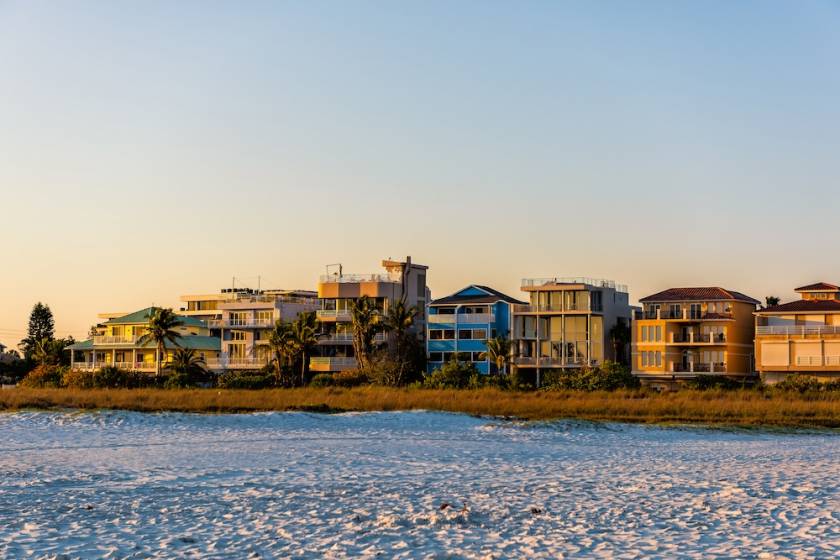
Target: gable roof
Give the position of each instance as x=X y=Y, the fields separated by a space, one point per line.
x=492 y=296
x=804 y=306
x=142 y=316
x=818 y=287
x=699 y=294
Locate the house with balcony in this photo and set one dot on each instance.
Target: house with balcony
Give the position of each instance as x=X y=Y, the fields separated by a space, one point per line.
x=685 y=332
x=801 y=336
x=247 y=319
x=401 y=280
x=117 y=342
x=460 y=324
x=567 y=323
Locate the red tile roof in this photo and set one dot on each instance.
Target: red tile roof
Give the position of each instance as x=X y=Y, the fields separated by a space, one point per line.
x=699 y=294
x=818 y=287
x=805 y=306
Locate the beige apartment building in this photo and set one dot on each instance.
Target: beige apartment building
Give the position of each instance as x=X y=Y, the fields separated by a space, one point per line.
x=801 y=336
x=685 y=332
x=567 y=323
x=336 y=293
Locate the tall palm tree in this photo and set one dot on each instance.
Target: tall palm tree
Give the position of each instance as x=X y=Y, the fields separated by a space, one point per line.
x=498 y=352
x=160 y=329
x=304 y=339
x=772 y=301
x=365 y=319
x=187 y=361
x=281 y=344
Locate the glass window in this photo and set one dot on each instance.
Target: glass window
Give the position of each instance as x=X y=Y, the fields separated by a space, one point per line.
x=644 y=333
x=449 y=334
x=435 y=334
x=479 y=334
x=658 y=359
x=435 y=356
x=465 y=334
x=478 y=357
x=658 y=333
x=644 y=359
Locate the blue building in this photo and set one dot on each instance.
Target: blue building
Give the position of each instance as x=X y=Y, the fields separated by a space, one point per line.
x=462 y=323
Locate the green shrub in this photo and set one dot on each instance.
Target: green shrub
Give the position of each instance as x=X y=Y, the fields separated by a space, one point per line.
x=108 y=377
x=806 y=384
x=705 y=382
x=245 y=380
x=522 y=379
x=322 y=380
x=178 y=380
x=43 y=376
x=350 y=378
x=451 y=375
x=608 y=377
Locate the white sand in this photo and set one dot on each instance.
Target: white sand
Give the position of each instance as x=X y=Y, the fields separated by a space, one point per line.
x=126 y=485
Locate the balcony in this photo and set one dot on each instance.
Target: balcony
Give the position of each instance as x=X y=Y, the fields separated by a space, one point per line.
x=333 y=314
x=800 y=330
x=698 y=338
x=114 y=340
x=531 y=283
x=548 y=362
x=332 y=364
x=684 y=315
x=461 y=318
x=247 y=323
x=131 y=366
x=347 y=338
x=580 y=306
x=692 y=367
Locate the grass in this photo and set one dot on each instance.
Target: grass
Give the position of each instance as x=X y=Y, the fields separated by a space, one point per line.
x=738 y=407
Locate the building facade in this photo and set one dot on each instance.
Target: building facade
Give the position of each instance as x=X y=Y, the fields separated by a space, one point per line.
x=567 y=323
x=336 y=294
x=685 y=332
x=117 y=342
x=801 y=336
x=459 y=326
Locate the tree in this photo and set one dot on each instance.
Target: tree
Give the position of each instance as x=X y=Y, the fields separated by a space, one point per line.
x=188 y=366
x=365 y=320
x=399 y=319
x=41 y=327
x=619 y=338
x=498 y=352
x=771 y=301
x=160 y=330
x=281 y=344
x=304 y=339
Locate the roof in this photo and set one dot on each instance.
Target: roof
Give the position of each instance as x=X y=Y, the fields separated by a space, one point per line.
x=142 y=317
x=492 y=297
x=818 y=287
x=699 y=294
x=804 y=306
x=194 y=342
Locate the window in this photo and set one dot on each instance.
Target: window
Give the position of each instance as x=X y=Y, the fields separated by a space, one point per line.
x=675 y=311
x=644 y=333
x=644 y=359
x=447 y=356
x=464 y=357
x=237 y=335
x=465 y=334
x=493 y=333
x=436 y=334
x=658 y=359
x=435 y=356
x=479 y=334
x=449 y=334
x=238 y=318
x=658 y=333
x=264 y=317
x=478 y=357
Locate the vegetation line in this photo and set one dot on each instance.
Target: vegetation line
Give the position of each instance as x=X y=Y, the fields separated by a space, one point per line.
x=720 y=407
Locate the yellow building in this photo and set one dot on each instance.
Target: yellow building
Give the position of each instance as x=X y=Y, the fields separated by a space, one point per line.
x=683 y=332
x=802 y=336
x=117 y=342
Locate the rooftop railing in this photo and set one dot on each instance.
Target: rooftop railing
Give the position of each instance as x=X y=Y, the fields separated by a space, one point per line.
x=594 y=282
x=354 y=278
x=797 y=329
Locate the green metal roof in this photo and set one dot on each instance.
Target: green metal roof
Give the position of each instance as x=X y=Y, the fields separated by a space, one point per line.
x=142 y=317
x=83 y=345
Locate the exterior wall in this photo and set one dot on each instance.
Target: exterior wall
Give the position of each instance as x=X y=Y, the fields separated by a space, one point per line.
x=497 y=322
x=798 y=346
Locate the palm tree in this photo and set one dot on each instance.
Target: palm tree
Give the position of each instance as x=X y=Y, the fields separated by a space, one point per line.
x=365 y=321
x=398 y=320
x=160 y=329
x=48 y=351
x=186 y=361
x=772 y=301
x=304 y=339
x=281 y=344
x=498 y=352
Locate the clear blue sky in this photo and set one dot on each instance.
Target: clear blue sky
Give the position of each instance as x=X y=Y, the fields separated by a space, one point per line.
x=150 y=149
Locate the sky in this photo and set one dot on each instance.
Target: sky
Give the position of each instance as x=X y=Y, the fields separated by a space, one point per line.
x=153 y=149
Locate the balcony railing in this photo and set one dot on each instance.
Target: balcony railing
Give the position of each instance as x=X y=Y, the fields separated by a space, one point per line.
x=333 y=314
x=684 y=315
x=594 y=282
x=697 y=367
x=462 y=318
x=801 y=330
x=582 y=306
x=810 y=361
x=355 y=278
x=248 y=323
x=699 y=338
x=104 y=340
x=549 y=362
x=347 y=338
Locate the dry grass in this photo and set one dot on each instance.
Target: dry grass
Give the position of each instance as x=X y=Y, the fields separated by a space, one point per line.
x=708 y=407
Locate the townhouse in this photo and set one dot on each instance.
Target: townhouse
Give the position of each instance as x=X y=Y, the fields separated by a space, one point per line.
x=685 y=332
x=460 y=324
x=567 y=323
x=801 y=336
x=402 y=280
